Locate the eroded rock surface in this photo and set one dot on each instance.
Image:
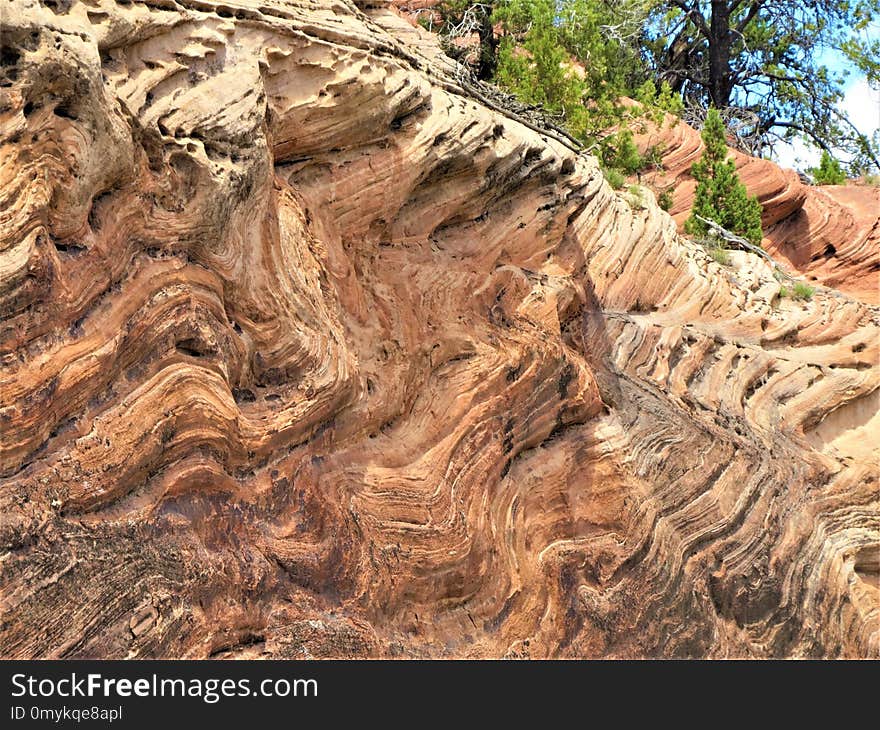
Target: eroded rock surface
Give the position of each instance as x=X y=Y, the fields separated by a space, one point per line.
x=830 y=233
x=306 y=353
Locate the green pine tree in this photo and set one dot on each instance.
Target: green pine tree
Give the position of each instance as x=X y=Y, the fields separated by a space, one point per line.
x=720 y=196
x=829 y=171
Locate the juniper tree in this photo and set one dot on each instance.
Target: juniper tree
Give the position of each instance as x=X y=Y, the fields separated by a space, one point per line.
x=829 y=171
x=576 y=59
x=720 y=195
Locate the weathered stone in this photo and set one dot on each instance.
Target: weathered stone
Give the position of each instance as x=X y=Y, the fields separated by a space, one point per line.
x=340 y=362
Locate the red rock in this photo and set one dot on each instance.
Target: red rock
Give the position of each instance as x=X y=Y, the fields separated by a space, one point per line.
x=829 y=234
x=305 y=353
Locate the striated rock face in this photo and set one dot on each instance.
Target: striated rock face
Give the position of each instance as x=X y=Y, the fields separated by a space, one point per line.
x=830 y=234
x=306 y=353
x=834 y=238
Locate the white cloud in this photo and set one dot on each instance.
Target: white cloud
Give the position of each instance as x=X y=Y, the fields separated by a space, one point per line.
x=797 y=154
x=862 y=105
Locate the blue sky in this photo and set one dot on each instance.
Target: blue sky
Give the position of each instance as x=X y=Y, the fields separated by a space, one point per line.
x=861 y=104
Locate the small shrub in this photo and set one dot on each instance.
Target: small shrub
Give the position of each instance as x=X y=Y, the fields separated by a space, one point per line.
x=720 y=255
x=636 y=197
x=715 y=248
x=828 y=172
x=658 y=103
x=619 y=151
x=802 y=290
x=614 y=177
x=653 y=157
x=665 y=200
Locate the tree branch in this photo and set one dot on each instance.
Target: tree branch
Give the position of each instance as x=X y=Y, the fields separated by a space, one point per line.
x=695 y=15
x=746 y=245
x=750 y=15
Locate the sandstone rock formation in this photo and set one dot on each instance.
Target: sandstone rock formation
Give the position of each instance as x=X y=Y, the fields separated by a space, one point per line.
x=831 y=234
x=307 y=353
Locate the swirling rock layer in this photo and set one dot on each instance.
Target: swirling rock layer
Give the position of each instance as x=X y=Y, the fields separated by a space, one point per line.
x=307 y=353
x=830 y=234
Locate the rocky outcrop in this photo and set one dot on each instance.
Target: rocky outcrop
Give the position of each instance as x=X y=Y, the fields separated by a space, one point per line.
x=829 y=234
x=307 y=353
x=834 y=239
